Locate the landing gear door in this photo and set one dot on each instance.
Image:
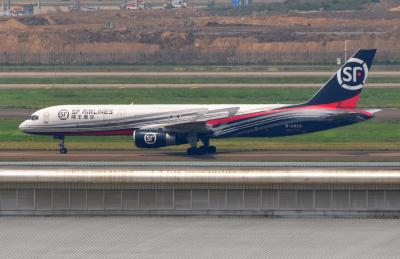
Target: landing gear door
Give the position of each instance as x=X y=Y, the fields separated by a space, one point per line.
x=46 y=117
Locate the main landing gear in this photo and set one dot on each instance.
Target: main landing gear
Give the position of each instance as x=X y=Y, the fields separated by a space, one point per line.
x=202 y=150
x=61 y=144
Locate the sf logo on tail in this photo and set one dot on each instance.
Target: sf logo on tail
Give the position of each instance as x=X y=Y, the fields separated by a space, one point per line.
x=353 y=74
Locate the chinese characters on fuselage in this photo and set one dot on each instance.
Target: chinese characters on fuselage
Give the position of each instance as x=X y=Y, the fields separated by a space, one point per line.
x=90 y=114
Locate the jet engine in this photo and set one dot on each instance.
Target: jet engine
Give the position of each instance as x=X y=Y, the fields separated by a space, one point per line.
x=150 y=139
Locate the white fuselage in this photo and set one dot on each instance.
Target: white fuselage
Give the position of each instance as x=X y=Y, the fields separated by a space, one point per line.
x=117 y=118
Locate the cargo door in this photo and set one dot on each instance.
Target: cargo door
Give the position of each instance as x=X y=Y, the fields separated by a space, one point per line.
x=46 y=117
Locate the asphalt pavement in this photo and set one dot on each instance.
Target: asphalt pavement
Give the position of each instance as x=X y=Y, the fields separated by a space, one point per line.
x=185 y=74
x=130 y=86
x=226 y=155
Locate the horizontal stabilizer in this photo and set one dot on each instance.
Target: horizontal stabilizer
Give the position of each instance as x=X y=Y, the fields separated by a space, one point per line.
x=373 y=111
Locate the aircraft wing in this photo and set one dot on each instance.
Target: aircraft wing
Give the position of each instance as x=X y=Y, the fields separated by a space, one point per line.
x=198 y=127
x=197 y=123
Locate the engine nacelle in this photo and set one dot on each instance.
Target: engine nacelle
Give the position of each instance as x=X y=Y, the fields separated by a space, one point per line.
x=150 y=139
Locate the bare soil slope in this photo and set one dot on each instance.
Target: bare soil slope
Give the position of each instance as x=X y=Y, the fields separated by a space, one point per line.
x=190 y=30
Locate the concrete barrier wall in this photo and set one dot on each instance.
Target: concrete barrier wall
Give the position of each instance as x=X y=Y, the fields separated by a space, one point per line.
x=222 y=192
x=384 y=201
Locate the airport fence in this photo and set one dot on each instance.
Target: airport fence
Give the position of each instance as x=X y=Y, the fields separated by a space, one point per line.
x=182 y=58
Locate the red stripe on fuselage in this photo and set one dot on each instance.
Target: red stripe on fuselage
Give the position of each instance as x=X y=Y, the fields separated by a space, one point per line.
x=330 y=106
x=345 y=105
x=350 y=103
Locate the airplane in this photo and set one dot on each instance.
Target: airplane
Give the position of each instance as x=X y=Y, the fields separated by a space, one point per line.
x=155 y=126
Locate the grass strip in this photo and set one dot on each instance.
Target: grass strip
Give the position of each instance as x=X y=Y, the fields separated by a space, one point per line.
x=40 y=98
x=180 y=80
x=208 y=68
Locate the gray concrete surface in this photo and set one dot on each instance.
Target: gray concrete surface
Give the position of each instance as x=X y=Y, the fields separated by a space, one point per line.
x=201 y=199
x=72 y=86
x=137 y=237
x=224 y=155
x=186 y=74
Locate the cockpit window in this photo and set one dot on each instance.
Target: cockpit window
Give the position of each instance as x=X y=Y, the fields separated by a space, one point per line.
x=34 y=117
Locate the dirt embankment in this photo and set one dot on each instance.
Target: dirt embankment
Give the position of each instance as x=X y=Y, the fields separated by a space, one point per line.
x=196 y=31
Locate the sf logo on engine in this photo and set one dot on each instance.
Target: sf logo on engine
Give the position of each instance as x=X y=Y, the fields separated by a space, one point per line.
x=63 y=114
x=353 y=74
x=150 y=138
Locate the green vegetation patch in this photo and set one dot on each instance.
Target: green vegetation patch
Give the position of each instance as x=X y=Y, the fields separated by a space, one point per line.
x=182 y=80
x=161 y=80
x=40 y=98
x=328 y=5
x=293 y=6
x=208 y=68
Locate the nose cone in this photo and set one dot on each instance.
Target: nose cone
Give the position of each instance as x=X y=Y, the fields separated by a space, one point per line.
x=23 y=126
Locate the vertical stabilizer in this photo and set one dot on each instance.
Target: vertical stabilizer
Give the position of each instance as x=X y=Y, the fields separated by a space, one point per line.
x=344 y=88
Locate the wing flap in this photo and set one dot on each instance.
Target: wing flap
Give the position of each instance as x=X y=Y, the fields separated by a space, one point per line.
x=196 y=123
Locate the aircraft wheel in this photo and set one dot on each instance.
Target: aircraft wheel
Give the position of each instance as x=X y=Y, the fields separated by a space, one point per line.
x=191 y=151
x=63 y=150
x=212 y=150
x=202 y=150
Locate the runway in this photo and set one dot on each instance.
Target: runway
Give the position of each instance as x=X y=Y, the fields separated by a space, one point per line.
x=228 y=156
x=186 y=74
x=130 y=86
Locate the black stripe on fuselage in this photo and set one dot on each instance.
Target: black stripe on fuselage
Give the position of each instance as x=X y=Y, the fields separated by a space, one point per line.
x=318 y=119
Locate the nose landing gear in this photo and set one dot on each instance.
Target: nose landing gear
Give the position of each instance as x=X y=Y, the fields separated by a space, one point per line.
x=61 y=144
